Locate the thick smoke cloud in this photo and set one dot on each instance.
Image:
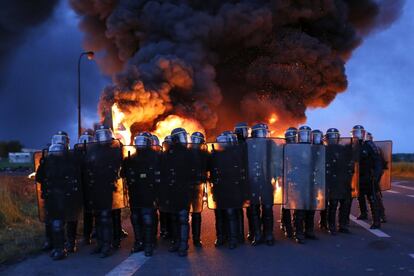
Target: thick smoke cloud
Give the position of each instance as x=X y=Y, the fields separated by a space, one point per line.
x=223 y=61
x=17 y=17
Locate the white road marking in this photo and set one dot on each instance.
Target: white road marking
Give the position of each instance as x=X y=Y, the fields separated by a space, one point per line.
x=403 y=187
x=411 y=196
x=129 y=266
x=365 y=225
x=411 y=255
x=392 y=192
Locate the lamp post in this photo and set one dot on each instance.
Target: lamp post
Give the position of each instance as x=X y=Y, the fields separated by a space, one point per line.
x=90 y=56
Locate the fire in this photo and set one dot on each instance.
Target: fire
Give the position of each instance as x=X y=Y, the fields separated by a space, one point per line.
x=121 y=129
x=273 y=119
x=164 y=128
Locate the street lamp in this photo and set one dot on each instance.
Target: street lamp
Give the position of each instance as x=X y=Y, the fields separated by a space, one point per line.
x=90 y=56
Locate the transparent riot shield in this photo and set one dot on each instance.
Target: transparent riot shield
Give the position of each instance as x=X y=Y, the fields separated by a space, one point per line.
x=177 y=190
x=265 y=170
x=385 y=148
x=227 y=186
x=103 y=187
x=340 y=168
x=304 y=177
x=141 y=175
x=37 y=156
x=355 y=177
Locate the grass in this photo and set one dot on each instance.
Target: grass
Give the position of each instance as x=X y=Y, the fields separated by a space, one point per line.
x=6 y=164
x=403 y=169
x=21 y=233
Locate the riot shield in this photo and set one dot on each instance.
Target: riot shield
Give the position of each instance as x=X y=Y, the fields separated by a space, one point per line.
x=141 y=174
x=264 y=169
x=198 y=168
x=304 y=177
x=37 y=156
x=355 y=178
x=227 y=186
x=340 y=163
x=103 y=187
x=177 y=190
x=385 y=148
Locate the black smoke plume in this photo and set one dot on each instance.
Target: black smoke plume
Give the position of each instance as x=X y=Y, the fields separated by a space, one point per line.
x=223 y=61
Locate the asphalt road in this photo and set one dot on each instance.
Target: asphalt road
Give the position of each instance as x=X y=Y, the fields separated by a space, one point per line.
x=386 y=252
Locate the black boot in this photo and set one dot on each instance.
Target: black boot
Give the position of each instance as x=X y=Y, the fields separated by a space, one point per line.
x=58 y=238
x=287 y=223
x=47 y=245
x=87 y=227
x=310 y=225
x=375 y=212
x=257 y=225
x=155 y=226
x=362 y=207
x=106 y=230
x=240 y=224
x=137 y=227
x=267 y=218
x=333 y=206
x=196 y=229
x=98 y=234
x=220 y=236
x=117 y=228
x=232 y=227
x=184 y=233
x=250 y=234
x=175 y=232
x=148 y=219
x=343 y=227
x=298 y=218
x=71 y=230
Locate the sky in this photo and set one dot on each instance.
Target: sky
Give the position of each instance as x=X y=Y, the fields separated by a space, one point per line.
x=39 y=88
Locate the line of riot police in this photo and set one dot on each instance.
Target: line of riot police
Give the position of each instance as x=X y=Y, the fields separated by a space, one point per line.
x=303 y=172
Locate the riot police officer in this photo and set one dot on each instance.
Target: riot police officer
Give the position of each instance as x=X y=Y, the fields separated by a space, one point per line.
x=339 y=173
x=286 y=217
x=59 y=174
x=141 y=170
x=165 y=218
x=260 y=185
x=103 y=190
x=370 y=171
x=242 y=132
x=199 y=176
x=227 y=187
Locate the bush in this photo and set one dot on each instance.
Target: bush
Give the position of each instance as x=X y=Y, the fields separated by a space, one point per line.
x=403 y=169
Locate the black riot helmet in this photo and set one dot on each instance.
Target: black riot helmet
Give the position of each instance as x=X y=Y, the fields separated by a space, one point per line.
x=369 y=137
x=179 y=136
x=291 y=135
x=304 y=135
x=155 y=140
x=332 y=136
x=144 y=140
x=86 y=137
x=231 y=137
x=57 y=149
x=317 y=137
x=61 y=137
x=197 y=138
x=260 y=131
x=104 y=134
x=242 y=131
x=358 y=132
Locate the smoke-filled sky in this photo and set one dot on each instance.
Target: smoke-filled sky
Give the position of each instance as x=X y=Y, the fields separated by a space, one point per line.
x=38 y=92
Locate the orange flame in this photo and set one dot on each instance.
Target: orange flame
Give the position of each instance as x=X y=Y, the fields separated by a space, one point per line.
x=121 y=129
x=164 y=128
x=273 y=119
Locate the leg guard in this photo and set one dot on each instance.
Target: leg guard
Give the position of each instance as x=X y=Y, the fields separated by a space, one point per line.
x=220 y=237
x=184 y=232
x=71 y=231
x=240 y=225
x=250 y=234
x=233 y=227
x=257 y=225
x=375 y=211
x=87 y=227
x=381 y=208
x=287 y=223
x=342 y=216
x=267 y=217
x=362 y=207
x=137 y=226
x=298 y=218
x=333 y=206
x=196 y=229
x=117 y=228
x=174 y=230
x=58 y=240
x=98 y=230
x=106 y=229
x=310 y=225
x=47 y=245
x=164 y=225
x=148 y=216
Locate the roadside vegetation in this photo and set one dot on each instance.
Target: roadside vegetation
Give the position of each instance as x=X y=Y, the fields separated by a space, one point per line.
x=21 y=233
x=403 y=169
